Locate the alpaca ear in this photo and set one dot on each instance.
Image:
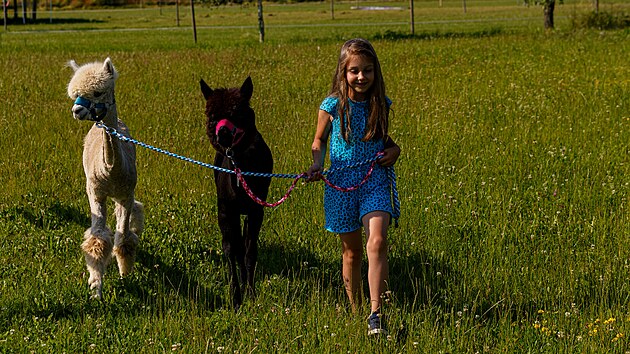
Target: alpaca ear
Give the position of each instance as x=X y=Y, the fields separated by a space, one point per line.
x=108 y=66
x=73 y=64
x=247 y=88
x=205 y=89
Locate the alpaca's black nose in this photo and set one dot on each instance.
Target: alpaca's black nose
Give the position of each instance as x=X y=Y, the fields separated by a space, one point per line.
x=80 y=112
x=225 y=137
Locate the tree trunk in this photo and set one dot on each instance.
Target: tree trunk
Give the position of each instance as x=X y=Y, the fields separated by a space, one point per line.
x=34 y=15
x=261 y=23
x=194 y=24
x=177 y=12
x=548 y=10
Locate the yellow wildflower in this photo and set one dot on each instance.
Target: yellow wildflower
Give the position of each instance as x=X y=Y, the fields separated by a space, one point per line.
x=536 y=325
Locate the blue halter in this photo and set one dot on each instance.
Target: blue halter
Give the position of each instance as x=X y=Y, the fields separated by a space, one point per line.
x=98 y=111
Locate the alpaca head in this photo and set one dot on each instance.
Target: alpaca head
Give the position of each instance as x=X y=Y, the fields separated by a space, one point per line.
x=230 y=121
x=92 y=88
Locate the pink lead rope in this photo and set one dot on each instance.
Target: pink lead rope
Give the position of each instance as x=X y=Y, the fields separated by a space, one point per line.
x=254 y=197
x=365 y=179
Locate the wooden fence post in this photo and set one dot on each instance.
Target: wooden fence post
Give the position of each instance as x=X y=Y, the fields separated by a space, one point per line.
x=332 y=9
x=261 y=22
x=194 y=24
x=411 y=15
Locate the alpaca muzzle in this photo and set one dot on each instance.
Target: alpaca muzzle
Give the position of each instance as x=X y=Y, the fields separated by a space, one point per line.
x=97 y=111
x=228 y=134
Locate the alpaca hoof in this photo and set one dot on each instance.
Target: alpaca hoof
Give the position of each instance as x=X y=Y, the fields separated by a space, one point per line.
x=125 y=252
x=125 y=266
x=96 y=294
x=97 y=248
x=136 y=222
x=95 y=286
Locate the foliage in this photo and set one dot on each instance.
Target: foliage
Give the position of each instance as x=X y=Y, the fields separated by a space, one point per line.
x=397 y=35
x=601 y=20
x=96 y=4
x=543 y=2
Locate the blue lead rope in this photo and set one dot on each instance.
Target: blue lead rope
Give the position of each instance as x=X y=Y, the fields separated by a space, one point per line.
x=391 y=174
x=395 y=199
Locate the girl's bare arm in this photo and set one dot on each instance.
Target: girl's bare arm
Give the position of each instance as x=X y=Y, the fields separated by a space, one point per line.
x=318 y=149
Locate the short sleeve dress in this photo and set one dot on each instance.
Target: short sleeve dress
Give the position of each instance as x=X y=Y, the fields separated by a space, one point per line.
x=344 y=210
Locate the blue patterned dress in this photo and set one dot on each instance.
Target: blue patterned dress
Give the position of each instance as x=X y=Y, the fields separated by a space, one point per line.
x=344 y=210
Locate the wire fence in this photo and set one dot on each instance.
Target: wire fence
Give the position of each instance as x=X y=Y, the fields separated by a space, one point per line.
x=162 y=15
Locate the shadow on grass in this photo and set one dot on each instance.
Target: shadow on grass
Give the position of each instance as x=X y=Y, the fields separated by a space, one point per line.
x=47 y=217
x=164 y=289
x=417 y=280
x=176 y=280
x=277 y=259
x=44 y=20
x=396 y=35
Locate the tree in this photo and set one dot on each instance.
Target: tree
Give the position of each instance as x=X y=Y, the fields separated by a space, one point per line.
x=34 y=15
x=261 y=22
x=548 y=7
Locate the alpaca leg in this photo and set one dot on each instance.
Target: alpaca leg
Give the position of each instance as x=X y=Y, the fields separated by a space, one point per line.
x=251 y=230
x=136 y=221
x=125 y=241
x=229 y=223
x=97 y=244
x=98 y=210
x=230 y=249
x=97 y=248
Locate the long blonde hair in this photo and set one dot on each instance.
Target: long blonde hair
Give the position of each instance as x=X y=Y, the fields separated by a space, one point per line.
x=378 y=117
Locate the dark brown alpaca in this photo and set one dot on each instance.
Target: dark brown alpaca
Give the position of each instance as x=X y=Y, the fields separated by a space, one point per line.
x=231 y=127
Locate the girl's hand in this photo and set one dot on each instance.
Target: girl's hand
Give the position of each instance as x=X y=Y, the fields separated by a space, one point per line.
x=390 y=155
x=314 y=173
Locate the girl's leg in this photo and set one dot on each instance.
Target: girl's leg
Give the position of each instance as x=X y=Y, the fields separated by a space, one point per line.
x=352 y=248
x=375 y=224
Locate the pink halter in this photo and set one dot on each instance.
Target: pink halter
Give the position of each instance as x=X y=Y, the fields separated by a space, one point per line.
x=237 y=133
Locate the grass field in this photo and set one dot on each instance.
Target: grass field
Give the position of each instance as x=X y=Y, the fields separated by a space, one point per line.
x=513 y=179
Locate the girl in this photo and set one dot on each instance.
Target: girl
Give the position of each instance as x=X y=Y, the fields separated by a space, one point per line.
x=355 y=116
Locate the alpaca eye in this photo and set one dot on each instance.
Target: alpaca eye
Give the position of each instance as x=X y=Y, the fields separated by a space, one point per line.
x=97 y=94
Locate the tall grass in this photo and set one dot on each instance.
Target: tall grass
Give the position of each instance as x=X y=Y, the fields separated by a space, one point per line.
x=513 y=181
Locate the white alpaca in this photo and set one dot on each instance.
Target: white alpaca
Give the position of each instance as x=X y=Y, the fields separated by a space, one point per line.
x=110 y=170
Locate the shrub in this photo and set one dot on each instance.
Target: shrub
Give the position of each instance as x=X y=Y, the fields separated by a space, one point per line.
x=601 y=20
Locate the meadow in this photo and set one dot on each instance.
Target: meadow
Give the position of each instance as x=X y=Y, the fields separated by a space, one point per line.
x=513 y=180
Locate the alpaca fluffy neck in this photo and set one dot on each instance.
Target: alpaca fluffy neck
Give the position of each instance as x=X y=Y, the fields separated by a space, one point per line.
x=111 y=146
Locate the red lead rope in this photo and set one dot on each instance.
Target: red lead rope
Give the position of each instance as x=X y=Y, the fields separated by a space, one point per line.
x=365 y=179
x=255 y=198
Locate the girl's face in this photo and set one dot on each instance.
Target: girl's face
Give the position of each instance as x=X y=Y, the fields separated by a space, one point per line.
x=360 y=77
